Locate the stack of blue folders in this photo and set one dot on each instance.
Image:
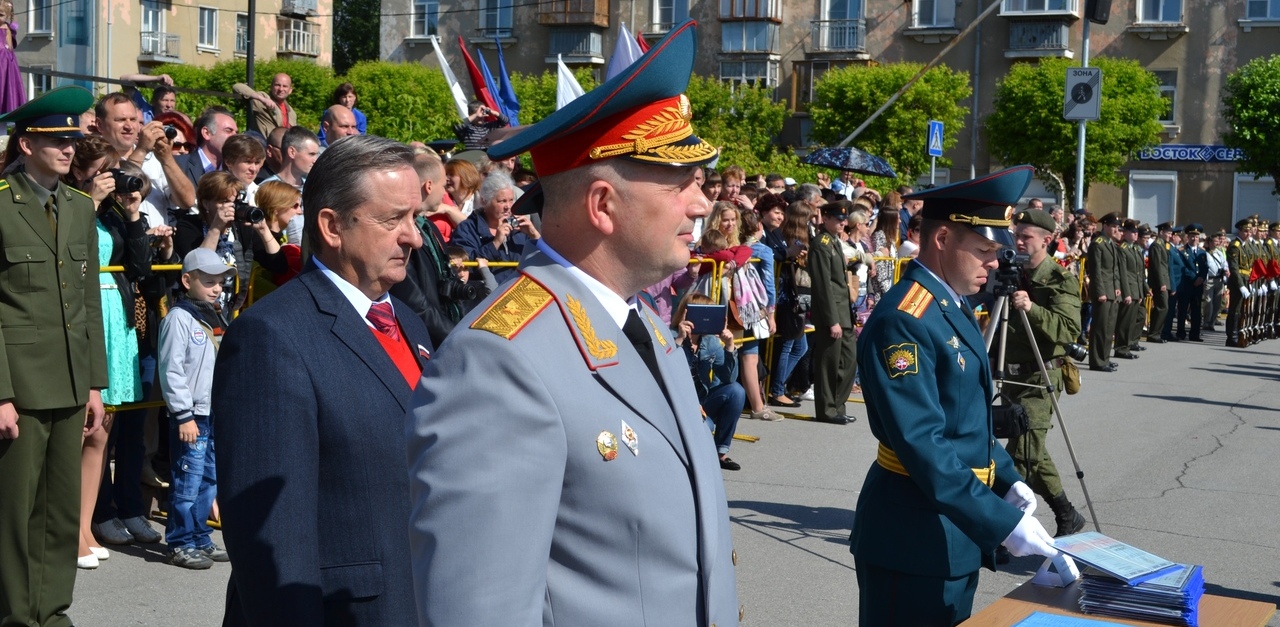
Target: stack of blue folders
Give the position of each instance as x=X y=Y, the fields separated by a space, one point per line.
x=1172 y=598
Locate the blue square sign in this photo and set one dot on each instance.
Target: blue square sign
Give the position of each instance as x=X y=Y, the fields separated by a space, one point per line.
x=935 y=138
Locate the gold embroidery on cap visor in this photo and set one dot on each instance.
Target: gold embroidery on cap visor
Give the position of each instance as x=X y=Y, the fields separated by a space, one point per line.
x=658 y=139
x=976 y=221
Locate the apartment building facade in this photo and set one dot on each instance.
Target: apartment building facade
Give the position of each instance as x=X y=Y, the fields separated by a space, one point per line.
x=1191 y=46
x=111 y=38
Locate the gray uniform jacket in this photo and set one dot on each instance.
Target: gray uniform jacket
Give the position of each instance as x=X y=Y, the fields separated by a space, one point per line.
x=529 y=504
x=187 y=352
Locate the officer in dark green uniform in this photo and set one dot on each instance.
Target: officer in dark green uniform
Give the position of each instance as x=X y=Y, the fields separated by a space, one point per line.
x=1127 y=308
x=942 y=494
x=1050 y=296
x=1238 y=266
x=834 y=343
x=1103 y=270
x=1158 y=281
x=53 y=361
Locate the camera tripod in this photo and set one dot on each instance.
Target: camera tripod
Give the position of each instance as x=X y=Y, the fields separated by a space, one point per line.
x=1000 y=324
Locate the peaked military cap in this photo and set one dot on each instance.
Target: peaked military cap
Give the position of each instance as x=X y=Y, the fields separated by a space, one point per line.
x=1244 y=223
x=641 y=115
x=1130 y=225
x=1194 y=228
x=1164 y=226
x=1263 y=225
x=838 y=209
x=1115 y=218
x=1177 y=230
x=1036 y=217
x=54 y=114
x=984 y=204
x=1275 y=226
x=1145 y=231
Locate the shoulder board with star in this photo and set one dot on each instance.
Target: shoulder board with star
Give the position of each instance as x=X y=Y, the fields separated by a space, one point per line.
x=916 y=301
x=510 y=313
x=1101 y=240
x=1235 y=243
x=825 y=240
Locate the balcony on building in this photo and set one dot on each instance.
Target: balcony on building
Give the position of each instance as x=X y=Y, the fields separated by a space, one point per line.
x=299 y=8
x=1040 y=28
x=576 y=45
x=574 y=13
x=159 y=47
x=838 y=39
x=296 y=37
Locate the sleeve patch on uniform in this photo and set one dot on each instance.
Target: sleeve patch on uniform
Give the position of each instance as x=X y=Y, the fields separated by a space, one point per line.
x=917 y=301
x=524 y=300
x=901 y=360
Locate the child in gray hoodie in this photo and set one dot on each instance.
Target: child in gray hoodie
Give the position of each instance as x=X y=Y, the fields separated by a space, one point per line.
x=189 y=337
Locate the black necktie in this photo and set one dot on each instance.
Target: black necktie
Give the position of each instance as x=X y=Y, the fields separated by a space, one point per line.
x=635 y=331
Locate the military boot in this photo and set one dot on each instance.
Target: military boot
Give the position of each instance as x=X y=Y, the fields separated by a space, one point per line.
x=1064 y=513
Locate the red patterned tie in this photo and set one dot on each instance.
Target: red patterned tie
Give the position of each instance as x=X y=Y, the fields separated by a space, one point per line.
x=384 y=320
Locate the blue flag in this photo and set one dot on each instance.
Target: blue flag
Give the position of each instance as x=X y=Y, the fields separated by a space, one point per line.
x=506 y=92
x=489 y=84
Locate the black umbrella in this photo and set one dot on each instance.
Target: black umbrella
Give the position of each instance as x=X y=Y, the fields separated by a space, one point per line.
x=852 y=160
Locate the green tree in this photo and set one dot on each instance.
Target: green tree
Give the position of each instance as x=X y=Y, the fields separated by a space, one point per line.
x=1027 y=124
x=355 y=28
x=404 y=101
x=741 y=120
x=1252 y=99
x=537 y=92
x=845 y=97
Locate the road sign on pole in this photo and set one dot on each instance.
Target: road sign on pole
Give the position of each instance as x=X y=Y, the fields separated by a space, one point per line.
x=1083 y=99
x=935 y=138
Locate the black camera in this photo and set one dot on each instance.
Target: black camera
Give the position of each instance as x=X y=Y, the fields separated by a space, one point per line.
x=246 y=212
x=456 y=290
x=170 y=131
x=1077 y=351
x=126 y=183
x=1010 y=271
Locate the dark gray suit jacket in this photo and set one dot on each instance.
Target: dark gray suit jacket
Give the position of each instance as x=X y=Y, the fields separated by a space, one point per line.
x=192 y=166
x=309 y=415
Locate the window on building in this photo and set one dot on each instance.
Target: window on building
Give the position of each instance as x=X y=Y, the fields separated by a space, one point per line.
x=933 y=13
x=748 y=36
x=762 y=72
x=1264 y=9
x=669 y=13
x=40 y=16
x=426 y=17
x=495 y=18
x=1168 y=11
x=37 y=83
x=751 y=9
x=1254 y=197
x=208 y=35
x=1153 y=195
x=1169 y=91
x=576 y=42
x=1036 y=6
x=842 y=9
x=242 y=33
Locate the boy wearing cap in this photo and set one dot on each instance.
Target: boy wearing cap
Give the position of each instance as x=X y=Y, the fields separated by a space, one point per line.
x=52 y=357
x=189 y=337
x=942 y=495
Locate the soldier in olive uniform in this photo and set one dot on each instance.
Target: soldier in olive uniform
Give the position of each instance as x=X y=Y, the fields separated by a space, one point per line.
x=1238 y=266
x=1050 y=296
x=53 y=361
x=1158 y=281
x=1131 y=289
x=1103 y=268
x=834 y=343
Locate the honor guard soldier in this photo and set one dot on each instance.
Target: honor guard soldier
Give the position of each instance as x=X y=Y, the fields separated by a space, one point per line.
x=834 y=342
x=1103 y=268
x=1257 y=292
x=54 y=357
x=1131 y=290
x=1191 y=291
x=942 y=494
x=1050 y=296
x=560 y=470
x=1273 y=277
x=1158 y=282
x=1238 y=268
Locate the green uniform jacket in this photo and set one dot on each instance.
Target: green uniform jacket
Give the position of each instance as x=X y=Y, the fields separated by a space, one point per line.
x=1158 y=266
x=1103 y=268
x=50 y=307
x=1238 y=265
x=830 y=284
x=927 y=384
x=1054 y=318
x=1130 y=261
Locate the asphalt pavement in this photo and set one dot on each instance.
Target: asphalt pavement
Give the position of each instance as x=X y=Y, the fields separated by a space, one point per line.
x=1179 y=450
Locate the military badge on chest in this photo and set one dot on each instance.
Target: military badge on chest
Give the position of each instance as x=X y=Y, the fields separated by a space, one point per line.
x=607 y=444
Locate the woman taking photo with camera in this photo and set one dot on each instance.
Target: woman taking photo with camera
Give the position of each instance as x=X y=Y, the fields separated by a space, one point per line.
x=274 y=260
x=492 y=232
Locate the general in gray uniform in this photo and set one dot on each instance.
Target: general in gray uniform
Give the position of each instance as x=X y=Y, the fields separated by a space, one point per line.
x=561 y=473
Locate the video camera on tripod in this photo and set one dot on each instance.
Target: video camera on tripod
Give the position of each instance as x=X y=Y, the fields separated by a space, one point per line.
x=1008 y=279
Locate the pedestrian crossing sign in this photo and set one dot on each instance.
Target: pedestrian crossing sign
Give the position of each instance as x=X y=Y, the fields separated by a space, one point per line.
x=935 y=138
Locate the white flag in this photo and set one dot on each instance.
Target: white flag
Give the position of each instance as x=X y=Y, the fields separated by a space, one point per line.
x=624 y=54
x=567 y=87
x=459 y=97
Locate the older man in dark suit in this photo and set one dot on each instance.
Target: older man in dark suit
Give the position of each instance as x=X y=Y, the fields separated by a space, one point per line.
x=310 y=390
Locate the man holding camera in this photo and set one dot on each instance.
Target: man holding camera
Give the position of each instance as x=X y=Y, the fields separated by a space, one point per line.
x=473 y=131
x=1050 y=296
x=149 y=146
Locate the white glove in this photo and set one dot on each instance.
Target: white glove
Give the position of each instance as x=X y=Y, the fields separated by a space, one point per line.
x=1273 y=285
x=1244 y=291
x=1261 y=290
x=1030 y=538
x=1021 y=497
